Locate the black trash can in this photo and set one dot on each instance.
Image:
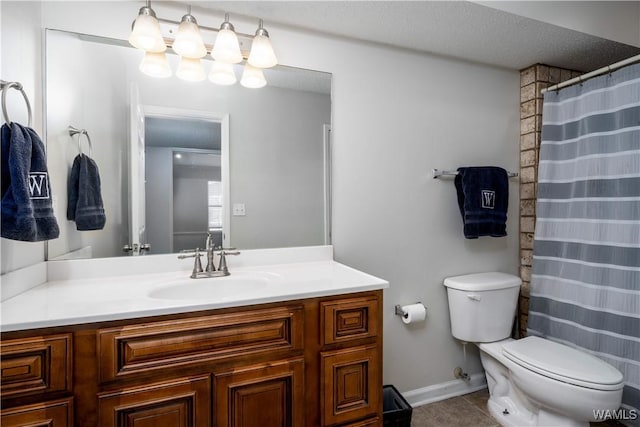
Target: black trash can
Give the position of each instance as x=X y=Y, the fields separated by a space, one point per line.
x=396 y=411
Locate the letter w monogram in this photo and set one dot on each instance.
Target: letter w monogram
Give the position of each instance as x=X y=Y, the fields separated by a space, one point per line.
x=488 y=199
x=38 y=185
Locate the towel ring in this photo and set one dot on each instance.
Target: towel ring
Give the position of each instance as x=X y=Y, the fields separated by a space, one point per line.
x=4 y=86
x=73 y=131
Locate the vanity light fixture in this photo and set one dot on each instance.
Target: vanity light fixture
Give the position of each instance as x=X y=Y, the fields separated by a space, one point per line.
x=145 y=33
x=252 y=77
x=222 y=73
x=188 y=41
x=155 y=64
x=190 y=69
x=262 y=55
x=226 y=47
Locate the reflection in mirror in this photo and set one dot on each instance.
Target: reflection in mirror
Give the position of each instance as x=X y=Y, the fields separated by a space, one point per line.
x=167 y=176
x=191 y=150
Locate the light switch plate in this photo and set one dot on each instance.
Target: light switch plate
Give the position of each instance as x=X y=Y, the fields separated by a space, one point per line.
x=238 y=209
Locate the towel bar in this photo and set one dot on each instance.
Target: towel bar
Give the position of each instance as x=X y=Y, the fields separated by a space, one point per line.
x=74 y=131
x=4 y=86
x=437 y=173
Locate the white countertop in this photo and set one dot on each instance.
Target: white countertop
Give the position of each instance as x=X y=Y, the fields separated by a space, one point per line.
x=87 y=300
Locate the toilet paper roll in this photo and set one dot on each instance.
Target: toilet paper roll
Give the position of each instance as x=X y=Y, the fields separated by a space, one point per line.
x=414 y=313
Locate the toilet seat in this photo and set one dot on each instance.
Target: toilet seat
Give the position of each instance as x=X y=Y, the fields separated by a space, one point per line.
x=563 y=363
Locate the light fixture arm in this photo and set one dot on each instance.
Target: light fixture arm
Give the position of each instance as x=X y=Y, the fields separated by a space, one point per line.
x=226 y=25
x=189 y=17
x=146 y=10
x=261 y=31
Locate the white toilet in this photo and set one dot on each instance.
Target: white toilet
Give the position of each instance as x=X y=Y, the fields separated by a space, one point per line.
x=532 y=381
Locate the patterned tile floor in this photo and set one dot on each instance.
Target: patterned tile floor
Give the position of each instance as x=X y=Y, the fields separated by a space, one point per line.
x=469 y=410
x=462 y=411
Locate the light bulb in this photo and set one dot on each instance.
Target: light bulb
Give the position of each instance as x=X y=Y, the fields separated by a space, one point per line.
x=222 y=73
x=188 y=41
x=146 y=33
x=252 y=77
x=226 y=47
x=155 y=64
x=262 y=55
x=190 y=69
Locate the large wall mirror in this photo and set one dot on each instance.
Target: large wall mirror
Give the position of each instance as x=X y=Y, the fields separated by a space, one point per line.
x=179 y=160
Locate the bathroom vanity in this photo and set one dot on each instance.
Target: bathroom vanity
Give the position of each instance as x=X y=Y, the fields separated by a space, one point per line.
x=259 y=358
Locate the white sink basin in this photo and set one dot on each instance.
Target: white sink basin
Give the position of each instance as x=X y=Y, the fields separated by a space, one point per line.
x=214 y=288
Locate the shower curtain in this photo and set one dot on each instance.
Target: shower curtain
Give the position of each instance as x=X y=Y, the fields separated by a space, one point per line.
x=585 y=284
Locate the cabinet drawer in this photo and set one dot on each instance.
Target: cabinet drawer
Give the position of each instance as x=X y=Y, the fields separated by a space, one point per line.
x=349 y=318
x=33 y=366
x=150 y=347
x=56 y=413
x=182 y=402
x=352 y=384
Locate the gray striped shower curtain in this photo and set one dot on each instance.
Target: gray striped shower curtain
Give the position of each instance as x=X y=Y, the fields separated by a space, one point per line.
x=585 y=284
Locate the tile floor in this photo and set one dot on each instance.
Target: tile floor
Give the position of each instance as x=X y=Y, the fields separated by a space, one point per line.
x=469 y=410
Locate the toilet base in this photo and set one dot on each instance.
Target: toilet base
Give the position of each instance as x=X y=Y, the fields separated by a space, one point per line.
x=508 y=404
x=510 y=414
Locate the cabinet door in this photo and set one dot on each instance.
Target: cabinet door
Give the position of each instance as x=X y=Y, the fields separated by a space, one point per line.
x=185 y=402
x=56 y=413
x=269 y=394
x=351 y=384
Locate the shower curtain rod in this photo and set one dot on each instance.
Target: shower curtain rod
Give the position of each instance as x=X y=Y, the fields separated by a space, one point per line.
x=597 y=72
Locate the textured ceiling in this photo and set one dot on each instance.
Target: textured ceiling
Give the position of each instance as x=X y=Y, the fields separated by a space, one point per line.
x=453 y=28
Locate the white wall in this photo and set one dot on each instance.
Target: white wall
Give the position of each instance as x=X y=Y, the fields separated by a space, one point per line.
x=396 y=115
x=21 y=61
x=391 y=218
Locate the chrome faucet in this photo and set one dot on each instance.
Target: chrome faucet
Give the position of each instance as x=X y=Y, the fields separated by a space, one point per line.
x=210 y=269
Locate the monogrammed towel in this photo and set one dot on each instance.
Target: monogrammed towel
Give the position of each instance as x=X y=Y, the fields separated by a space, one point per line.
x=483 y=198
x=27 y=211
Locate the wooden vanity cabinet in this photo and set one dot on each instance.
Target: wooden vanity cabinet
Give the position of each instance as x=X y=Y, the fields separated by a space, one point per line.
x=302 y=363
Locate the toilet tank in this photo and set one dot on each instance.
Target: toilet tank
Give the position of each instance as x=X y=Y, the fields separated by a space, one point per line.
x=482 y=306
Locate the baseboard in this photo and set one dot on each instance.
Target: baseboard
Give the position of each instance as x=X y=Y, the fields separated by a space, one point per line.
x=437 y=392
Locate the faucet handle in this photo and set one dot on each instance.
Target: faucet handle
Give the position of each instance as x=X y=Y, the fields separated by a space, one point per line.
x=197 y=265
x=223 y=260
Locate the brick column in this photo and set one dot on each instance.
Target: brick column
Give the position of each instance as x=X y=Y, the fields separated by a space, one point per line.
x=532 y=80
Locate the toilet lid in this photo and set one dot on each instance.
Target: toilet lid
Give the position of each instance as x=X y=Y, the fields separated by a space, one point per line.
x=563 y=363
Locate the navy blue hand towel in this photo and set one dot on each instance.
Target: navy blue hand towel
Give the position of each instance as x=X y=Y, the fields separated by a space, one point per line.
x=483 y=198
x=27 y=210
x=85 y=205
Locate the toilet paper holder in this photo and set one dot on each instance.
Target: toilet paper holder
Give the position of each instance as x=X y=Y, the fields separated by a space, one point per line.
x=400 y=312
